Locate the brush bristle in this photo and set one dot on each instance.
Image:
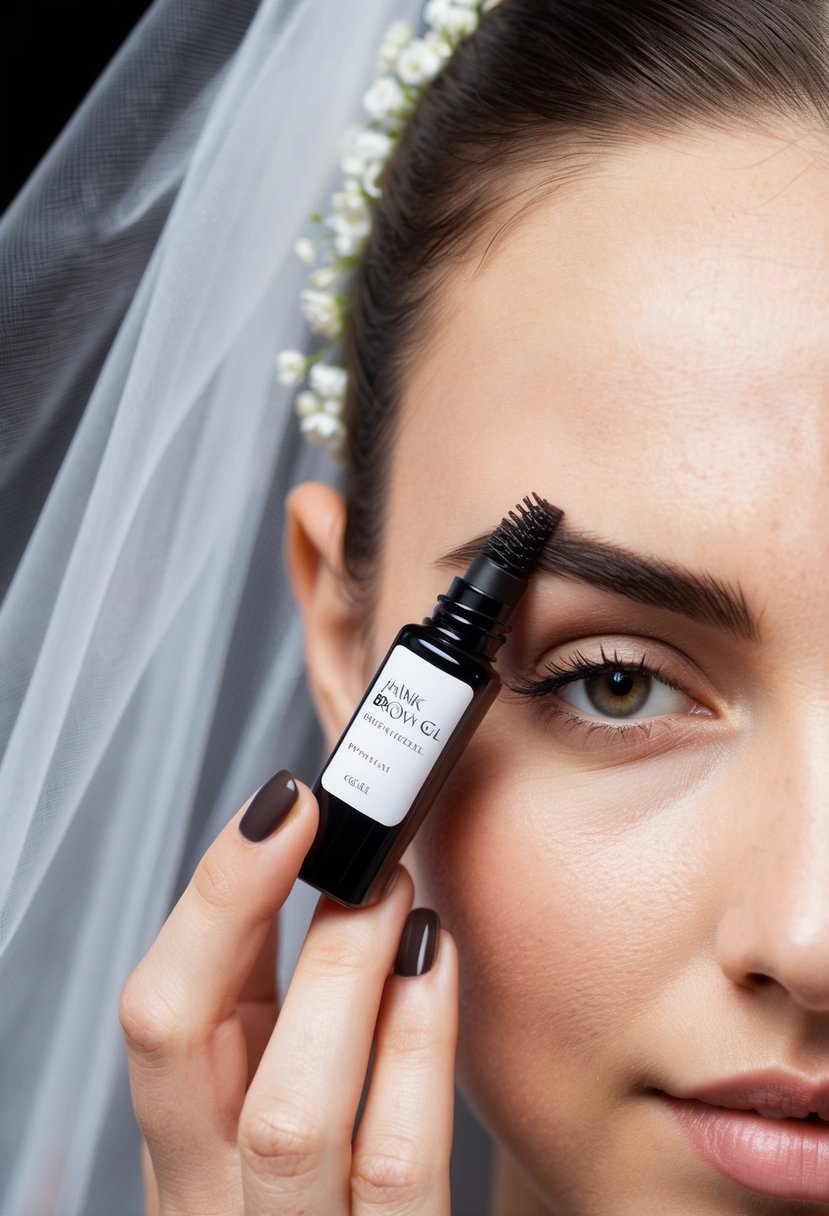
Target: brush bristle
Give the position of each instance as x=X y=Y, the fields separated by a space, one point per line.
x=519 y=538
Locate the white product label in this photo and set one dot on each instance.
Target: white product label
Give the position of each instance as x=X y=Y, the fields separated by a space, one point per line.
x=396 y=738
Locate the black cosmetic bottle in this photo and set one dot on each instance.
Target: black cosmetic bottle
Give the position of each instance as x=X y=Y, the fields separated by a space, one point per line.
x=426 y=700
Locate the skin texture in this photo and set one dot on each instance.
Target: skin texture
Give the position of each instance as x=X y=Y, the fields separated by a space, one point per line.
x=648 y=349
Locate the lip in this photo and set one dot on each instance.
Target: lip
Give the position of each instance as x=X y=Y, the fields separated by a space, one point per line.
x=781 y=1157
x=773 y=1089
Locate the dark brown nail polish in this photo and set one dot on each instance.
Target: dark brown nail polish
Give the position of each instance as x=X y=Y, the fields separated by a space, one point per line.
x=419 y=943
x=270 y=806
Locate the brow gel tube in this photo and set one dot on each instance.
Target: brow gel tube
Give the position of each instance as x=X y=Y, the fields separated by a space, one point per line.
x=424 y=703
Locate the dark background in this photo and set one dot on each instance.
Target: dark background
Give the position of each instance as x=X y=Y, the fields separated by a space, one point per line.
x=51 y=53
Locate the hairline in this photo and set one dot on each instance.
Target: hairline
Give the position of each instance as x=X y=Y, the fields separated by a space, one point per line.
x=584 y=153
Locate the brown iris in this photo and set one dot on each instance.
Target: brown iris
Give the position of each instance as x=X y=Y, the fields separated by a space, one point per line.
x=618 y=693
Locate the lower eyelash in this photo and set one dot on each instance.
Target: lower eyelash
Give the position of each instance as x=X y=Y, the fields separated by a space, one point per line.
x=641 y=727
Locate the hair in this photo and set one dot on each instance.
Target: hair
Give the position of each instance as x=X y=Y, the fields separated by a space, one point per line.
x=525 y=105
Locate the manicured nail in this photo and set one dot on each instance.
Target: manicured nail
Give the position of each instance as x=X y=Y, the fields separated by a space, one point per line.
x=419 y=943
x=270 y=807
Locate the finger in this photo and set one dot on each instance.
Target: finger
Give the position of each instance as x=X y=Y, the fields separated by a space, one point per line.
x=260 y=984
x=211 y=946
x=259 y=1000
x=186 y=1041
x=151 y=1202
x=296 y=1126
x=402 y=1148
x=211 y=939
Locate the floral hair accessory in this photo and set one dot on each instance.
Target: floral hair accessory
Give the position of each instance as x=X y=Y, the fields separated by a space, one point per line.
x=406 y=66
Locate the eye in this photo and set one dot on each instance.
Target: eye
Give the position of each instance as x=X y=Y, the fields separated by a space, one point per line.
x=620 y=692
x=613 y=692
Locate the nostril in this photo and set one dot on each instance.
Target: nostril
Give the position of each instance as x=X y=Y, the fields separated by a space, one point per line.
x=758 y=979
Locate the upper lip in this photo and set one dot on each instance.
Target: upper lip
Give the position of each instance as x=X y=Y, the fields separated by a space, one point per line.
x=774 y=1089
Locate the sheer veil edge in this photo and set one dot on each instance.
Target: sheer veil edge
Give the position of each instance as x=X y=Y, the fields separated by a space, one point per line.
x=153 y=673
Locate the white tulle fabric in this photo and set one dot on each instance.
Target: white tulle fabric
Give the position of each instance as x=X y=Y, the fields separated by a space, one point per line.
x=151 y=657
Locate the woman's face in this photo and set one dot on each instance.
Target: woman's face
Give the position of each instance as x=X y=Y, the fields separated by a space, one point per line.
x=637 y=870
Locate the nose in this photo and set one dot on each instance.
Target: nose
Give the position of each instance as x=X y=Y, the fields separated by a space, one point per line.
x=773 y=928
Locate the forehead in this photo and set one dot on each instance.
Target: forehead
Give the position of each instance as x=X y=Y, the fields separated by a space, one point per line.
x=649 y=348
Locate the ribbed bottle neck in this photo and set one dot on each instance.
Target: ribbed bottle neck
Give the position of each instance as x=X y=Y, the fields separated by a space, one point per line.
x=471 y=620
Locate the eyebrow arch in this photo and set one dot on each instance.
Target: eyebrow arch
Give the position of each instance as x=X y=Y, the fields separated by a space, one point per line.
x=652 y=581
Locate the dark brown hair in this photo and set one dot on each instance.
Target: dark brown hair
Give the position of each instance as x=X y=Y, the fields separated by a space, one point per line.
x=535 y=95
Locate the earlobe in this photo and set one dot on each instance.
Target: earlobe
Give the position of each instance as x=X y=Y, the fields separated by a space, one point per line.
x=334 y=647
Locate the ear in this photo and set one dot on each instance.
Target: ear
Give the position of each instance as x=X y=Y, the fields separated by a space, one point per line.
x=334 y=646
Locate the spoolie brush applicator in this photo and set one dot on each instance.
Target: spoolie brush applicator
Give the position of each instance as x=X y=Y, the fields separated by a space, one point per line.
x=419 y=712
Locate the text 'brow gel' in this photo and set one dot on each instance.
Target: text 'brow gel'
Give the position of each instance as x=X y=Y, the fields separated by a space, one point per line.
x=426 y=700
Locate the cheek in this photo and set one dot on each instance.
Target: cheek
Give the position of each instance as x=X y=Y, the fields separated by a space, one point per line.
x=571 y=918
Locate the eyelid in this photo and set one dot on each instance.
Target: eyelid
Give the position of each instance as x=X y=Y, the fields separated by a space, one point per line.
x=580 y=667
x=653 y=654
x=632 y=653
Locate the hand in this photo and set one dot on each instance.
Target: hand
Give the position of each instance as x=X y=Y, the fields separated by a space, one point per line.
x=245 y=1112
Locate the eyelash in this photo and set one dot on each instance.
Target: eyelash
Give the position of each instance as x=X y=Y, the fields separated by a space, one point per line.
x=578 y=667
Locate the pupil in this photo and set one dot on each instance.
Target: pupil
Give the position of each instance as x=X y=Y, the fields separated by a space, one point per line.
x=621 y=683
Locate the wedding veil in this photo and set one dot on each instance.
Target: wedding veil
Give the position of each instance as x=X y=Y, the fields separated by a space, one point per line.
x=152 y=672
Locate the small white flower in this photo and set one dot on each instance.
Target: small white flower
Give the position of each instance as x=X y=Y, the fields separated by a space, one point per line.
x=304 y=249
x=360 y=147
x=385 y=98
x=328 y=380
x=351 y=223
x=291 y=367
x=396 y=37
x=349 y=200
x=323 y=428
x=356 y=222
x=434 y=13
x=349 y=244
x=418 y=62
x=307 y=403
x=370 y=178
x=461 y=22
x=325 y=278
x=438 y=43
x=321 y=310
x=374 y=145
x=457 y=20
x=333 y=406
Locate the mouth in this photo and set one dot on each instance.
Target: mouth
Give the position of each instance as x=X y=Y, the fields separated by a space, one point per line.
x=770 y=1136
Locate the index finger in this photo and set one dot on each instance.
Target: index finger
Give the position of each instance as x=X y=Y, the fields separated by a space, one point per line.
x=198 y=964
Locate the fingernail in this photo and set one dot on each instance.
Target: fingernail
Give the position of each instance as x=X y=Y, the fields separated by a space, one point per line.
x=419 y=943
x=270 y=807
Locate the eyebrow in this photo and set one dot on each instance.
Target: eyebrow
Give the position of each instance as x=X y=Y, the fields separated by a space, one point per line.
x=651 y=581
